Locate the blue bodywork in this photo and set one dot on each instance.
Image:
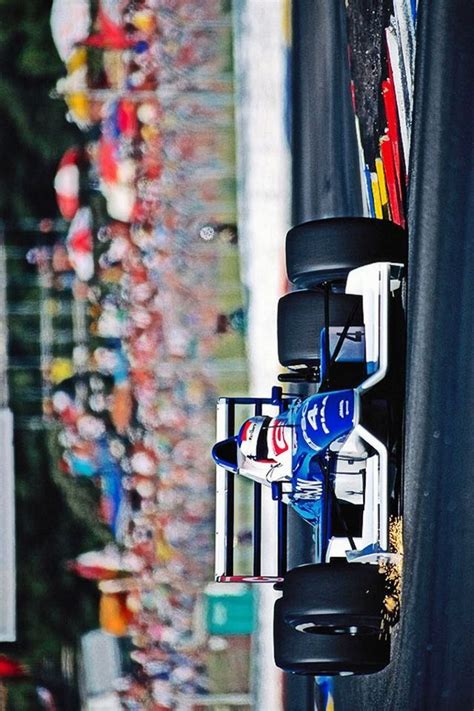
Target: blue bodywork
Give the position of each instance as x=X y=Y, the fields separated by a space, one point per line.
x=317 y=421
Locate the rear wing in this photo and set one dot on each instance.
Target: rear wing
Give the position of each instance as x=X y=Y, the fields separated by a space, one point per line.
x=226 y=503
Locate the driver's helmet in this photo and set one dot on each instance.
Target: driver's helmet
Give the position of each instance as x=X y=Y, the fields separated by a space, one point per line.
x=262 y=448
x=253 y=439
x=265 y=441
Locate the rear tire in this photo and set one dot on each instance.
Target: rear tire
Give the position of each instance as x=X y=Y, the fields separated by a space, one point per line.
x=329 y=620
x=326 y=250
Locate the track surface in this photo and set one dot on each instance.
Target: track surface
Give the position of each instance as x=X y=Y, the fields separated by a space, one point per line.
x=432 y=648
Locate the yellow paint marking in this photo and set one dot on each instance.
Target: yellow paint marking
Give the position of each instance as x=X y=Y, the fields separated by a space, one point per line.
x=381 y=179
x=376 y=194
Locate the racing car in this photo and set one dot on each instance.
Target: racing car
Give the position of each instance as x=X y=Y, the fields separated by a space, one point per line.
x=330 y=447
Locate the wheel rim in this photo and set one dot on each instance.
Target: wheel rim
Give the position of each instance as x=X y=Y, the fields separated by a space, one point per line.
x=350 y=630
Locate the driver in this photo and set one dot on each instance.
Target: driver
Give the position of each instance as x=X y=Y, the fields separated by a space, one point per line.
x=261 y=450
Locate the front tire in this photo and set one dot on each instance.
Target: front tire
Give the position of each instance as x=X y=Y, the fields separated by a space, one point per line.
x=329 y=620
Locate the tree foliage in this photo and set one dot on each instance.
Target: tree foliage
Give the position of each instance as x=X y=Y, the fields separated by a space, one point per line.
x=33 y=131
x=56 y=518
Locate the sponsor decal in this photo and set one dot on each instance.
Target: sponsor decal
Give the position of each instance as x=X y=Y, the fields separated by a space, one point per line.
x=322 y=416
x=247 y=431
x=308 y=489
x=343 y=408
x=279 y=442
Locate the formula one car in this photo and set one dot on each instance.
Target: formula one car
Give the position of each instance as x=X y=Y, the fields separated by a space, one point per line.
x=331 y=449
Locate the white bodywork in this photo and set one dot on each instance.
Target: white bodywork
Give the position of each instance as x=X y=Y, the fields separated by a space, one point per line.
x=375 y=283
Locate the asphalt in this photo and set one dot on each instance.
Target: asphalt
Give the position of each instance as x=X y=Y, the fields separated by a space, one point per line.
x=433 y=645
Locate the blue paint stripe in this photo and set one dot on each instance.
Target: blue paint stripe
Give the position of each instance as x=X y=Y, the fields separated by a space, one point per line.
x=325 y=686
x=371 y=367
x=370 y=196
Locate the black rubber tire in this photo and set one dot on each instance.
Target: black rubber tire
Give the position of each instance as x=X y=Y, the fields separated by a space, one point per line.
x=301 y=319
x=326 y=250
x=334 y=588
x=330 y=599
x=326 y=655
